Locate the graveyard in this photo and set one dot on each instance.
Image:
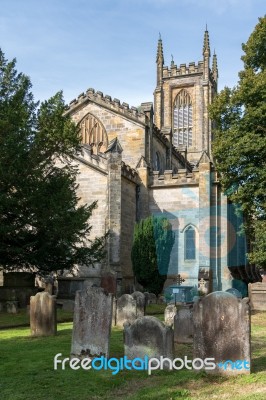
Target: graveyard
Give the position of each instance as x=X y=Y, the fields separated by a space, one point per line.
x=27 y=370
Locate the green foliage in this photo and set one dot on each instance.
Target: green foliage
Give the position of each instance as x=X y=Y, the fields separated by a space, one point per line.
x=152 y=245
x=239 y=147
x=41 y=224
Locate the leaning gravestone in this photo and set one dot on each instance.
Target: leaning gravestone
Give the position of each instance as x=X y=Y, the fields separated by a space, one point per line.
x=183 y=325
x=222 y=332
x=43 y=314
x=169 y=314
x=126 y=310
x=92 y=323
x=148 y=336
x=140 y=300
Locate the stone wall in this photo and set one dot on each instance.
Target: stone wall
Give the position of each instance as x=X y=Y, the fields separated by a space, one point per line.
x=92 y=183
x=129 y=129
x=128 y=219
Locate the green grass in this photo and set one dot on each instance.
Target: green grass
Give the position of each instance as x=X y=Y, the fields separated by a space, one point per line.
x=22 y=318
x=26 y=372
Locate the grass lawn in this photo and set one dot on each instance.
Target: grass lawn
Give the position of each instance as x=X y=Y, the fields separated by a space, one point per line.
x=26 y=372
x=22 y=318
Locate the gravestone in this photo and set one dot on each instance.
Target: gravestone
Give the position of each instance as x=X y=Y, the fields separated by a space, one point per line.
x=43 y=314
x=222 y=332
x=140 y=300
x=146 y=294
x=169 y=314
x=12 y=307
x=108 y=282
x=92 y=323
x=161 y=300
x=126 y=310
x=183 y=325
x=257 y=296
x=235 y=292
x=152 y=298
x=148 y=336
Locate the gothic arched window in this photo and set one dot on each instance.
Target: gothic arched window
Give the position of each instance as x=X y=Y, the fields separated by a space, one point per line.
x=94 y=134
x=190 y=243
x=157 y=163
x=183 y=123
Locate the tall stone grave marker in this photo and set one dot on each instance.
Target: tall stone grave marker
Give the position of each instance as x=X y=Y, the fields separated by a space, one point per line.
x=222 y=332
x=43 y=314
x=126 y=310
x=141 y=301
x=92 y=323
x=183 y=325
x=148 y=336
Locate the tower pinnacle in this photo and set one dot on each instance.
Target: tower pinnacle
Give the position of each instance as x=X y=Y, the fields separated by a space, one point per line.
x=215 y=67
x=206 y=43
x=159 y=58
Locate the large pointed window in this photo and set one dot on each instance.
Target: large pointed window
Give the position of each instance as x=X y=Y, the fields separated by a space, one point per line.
x=94 y=134
x=183 y=120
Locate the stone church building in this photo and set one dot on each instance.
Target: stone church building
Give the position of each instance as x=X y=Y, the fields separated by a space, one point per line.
x=157 y=160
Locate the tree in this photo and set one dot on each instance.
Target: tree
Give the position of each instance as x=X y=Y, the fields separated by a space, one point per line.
x=152 y=245
x=239 y=146
x=41 y=223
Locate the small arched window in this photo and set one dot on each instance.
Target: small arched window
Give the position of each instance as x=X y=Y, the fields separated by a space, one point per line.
x=183 y=123
x=190 y=243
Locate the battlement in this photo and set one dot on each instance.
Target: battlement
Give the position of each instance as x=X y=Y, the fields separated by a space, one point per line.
x=129 y=173
x=183 y=69
x=96 y=161
x=168 y=178
x=108 y=102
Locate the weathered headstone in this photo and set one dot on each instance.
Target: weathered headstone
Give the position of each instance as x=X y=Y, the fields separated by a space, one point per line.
x=257 y=296
x=43 y=314
x=183 y=325
x=140 y=300
x=169 y=314
x=92 y=323
x=146 y=294
x=152 y=298
x=222 y=332
x=126 y=310
x=148 y=336
x=108 y=282
x=12 y=307
x=161 y=300
x=234 y=292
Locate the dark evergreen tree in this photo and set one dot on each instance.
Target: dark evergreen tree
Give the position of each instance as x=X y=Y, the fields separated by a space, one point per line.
x=41 y=223
x=151 y=250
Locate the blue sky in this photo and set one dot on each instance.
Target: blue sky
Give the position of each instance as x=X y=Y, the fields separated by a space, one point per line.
x=110 y=45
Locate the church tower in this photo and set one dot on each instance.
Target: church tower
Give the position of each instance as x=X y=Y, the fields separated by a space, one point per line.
x=181 y=99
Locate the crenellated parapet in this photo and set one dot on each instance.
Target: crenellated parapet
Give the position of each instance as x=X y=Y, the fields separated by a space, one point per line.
x=107 y=102
x=129 y=173
x=96 y=161
x=183 y=69
x=169 y=178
